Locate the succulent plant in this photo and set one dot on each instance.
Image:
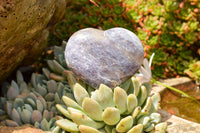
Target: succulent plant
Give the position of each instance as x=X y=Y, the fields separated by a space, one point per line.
x=32 y=103
x=129 y=108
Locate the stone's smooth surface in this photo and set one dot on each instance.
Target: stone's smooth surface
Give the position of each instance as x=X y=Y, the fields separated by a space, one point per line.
x=109 y=57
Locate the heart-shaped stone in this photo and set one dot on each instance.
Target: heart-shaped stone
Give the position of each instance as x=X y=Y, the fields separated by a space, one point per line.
x=109 y=57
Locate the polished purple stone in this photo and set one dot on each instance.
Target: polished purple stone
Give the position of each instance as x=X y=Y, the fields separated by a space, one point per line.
x=109 y=57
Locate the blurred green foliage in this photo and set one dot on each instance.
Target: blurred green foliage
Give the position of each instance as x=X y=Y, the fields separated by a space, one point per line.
x=170 y=28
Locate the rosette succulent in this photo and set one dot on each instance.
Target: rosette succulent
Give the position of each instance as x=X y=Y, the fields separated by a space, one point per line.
x=34 y=102
x=129 y=108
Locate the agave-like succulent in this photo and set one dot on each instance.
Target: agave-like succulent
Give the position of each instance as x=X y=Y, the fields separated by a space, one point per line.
x=111 y=111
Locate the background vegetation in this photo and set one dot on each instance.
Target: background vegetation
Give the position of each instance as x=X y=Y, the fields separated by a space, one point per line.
x=169 y=28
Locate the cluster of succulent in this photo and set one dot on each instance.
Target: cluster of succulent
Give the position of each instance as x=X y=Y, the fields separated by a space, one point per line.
x=129 y=108
x=103 y=110
x=34 y=102
x=168 y=28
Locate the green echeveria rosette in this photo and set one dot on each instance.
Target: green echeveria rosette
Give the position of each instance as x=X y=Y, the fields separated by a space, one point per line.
x=111 y=111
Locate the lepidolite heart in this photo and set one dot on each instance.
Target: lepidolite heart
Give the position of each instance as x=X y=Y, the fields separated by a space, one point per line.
x=109 y=57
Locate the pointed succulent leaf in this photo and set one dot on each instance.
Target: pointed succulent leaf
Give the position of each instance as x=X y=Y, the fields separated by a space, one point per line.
x=81 y=119
x=51 y=86
x=46 y=115
x=56 y=77
x=31 y=102
x=147 y=106
x=92 y=108
x=67 y=125
x=36 y=116
x=63 y=110
x=120 y=99
x=57 y=67
x=39 y=106
x=41 y=90
x=71 y=110
x=12 y=92
x=19 y=102
x=19 y=77
x=70 y=78
x=19 y=110
x=15 y=116
x=26 y=116
x=43 y=101
x=136 y=111
x=40 y=78
x=111 y=115
x=125 y=124
x=24 y=87
x=105 y=96
x=46 y=72
x=155 y=103
x=136 y=129
x=28 y=107
x=11 y=123
x=79 y=93
x=131 y=102
x=136 y=85
x=148 y=86
x=88 y=129
x=57 y=98
x=51 y=65
x=142 y=95
x=32 y=96
x=14 y=84
x=71 y=103
x=33 y=80
x=50 y=97
x=60 y=89
x=44 y=125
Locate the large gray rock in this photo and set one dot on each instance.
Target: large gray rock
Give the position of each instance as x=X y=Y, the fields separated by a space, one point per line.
x=24 y=29
x=109 y=57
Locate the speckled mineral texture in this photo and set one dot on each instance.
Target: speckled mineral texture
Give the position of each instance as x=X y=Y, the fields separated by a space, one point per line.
x=24 y=31
x=109 y=57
